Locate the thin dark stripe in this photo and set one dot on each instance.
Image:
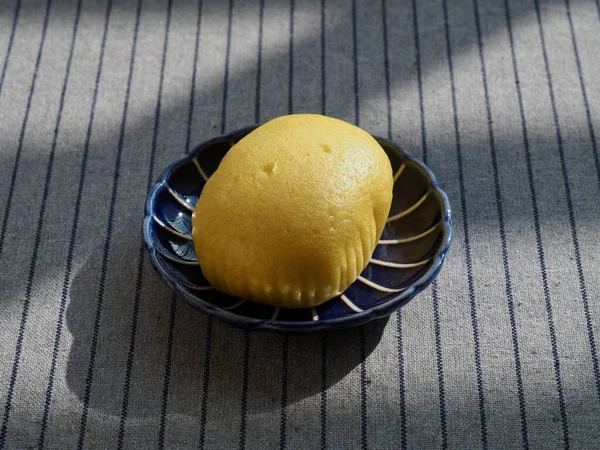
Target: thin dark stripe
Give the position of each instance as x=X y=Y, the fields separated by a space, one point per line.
x=586 y=103
x=324 y=390
x=187 y=150
x=419 y=80
x=401 y=380
x=244 y=406
x=502 y=230
x=440 y=366
x=173 y=315
x=401 y=384
x=363 y=391
x=193 y=85
x=165 y=393
x=363 y=351
x=226 y=76
x=261 y=14
x=206 y=377
x=205 y=383
x=291 y=59
x=141 y=260
x=10 y=43
x=129 y=364
x=323 y=62
x=108 y=237
x=246 y=364
x=355 y=64
x=574 y=235
x=172 y=321
x=434 y=286
x=72 y=239
x=324 y=335
x=386 y=67
x=538 y=234
x=284 y=394
x=285 y=345
x=19 y=343
x=13 y=177
x=467 y=240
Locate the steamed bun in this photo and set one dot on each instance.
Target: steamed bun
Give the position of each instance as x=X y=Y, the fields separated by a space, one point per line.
x=293 y=213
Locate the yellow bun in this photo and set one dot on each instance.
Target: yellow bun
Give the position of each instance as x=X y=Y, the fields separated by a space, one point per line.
x=293 y=213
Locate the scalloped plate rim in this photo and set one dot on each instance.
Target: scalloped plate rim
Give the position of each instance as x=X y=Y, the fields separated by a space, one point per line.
x=381 y=310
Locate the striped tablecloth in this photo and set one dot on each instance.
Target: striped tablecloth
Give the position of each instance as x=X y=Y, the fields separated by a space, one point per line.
x=500 y=97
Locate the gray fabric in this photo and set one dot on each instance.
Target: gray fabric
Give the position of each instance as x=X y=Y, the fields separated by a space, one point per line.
x=501 y=352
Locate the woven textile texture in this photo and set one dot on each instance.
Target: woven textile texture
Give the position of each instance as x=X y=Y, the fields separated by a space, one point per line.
x=500 y=97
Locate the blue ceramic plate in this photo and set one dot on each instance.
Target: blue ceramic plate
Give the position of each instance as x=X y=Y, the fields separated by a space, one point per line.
x=408 y=257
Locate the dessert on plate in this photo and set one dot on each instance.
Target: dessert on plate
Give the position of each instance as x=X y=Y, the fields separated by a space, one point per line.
x=294 y=211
